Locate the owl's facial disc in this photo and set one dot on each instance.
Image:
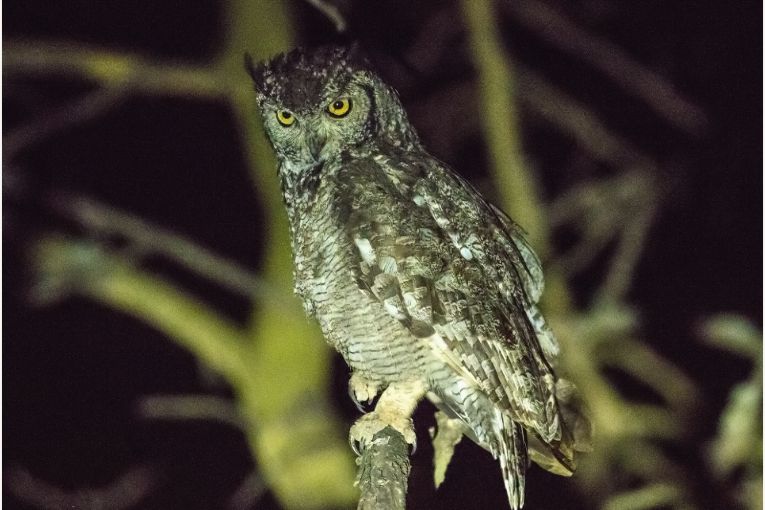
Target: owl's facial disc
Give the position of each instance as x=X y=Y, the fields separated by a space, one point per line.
x=308 y=134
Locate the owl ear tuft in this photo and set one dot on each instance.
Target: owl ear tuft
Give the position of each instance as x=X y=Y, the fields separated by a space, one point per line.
x=358 y=56
x=255 y=71
x=355 y=51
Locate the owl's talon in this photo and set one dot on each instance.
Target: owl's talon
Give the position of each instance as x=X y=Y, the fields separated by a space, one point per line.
x=366 y=427
x=361 y=390
x=356 y=449
x=355 y=400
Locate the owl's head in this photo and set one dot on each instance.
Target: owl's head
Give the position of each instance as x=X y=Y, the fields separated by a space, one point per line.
x=318 y=103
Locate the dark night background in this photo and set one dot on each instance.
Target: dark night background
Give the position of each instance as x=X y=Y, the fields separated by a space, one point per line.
x=73 y=371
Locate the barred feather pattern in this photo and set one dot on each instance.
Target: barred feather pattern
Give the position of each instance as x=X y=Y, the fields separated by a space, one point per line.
x=411 y=274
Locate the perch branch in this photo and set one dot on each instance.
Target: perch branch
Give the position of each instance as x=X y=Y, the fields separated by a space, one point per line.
x=384 y=471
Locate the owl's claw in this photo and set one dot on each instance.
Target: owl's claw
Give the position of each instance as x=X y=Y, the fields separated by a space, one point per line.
x=357 y=445
x=356 y=449
x=361 y=389
x=363 y=431
x=360 y=407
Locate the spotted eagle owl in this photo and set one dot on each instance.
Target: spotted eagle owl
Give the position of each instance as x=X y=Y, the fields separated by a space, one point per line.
x=424 y=288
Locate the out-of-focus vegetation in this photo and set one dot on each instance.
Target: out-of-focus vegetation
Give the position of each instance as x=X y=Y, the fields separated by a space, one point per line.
x=277 y=363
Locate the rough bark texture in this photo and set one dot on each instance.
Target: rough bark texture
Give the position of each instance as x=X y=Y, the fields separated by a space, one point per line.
x=383 y=471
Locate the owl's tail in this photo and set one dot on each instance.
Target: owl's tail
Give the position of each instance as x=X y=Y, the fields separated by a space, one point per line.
x=560 y=456
x=512 y=453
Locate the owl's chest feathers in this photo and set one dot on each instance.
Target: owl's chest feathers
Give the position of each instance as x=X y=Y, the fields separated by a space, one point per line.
x=327 y=268
x=320 y=248
x=319 y=202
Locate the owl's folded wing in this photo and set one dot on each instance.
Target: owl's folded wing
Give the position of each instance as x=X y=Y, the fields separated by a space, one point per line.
x=439 y=260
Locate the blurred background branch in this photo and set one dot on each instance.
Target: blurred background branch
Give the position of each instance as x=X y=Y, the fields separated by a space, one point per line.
x=270 y=348
x=611 y=60
x=275 y=361
x=127 y=491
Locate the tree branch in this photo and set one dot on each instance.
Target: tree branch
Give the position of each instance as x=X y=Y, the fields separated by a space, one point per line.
x=384 y=471
x=86 y=268
x=518 y=187
x=126 y=491
x=190 y=407
x=110 y=68
x=148 y=238
x=289 y=357
x=331 y=12
x=82 y=109
x=610 y=59
x=577 y=121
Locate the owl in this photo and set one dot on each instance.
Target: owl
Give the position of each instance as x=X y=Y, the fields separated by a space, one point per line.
x=425 y=288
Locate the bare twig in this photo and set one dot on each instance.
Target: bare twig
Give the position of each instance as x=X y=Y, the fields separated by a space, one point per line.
x=576 y=120
x=738 y=445
x=125 y=492
x=109 y=68
x=331 y=12
x=384 y=471
x=644 y=498
x=89 y=107
x=248 y=493
x=433 y=39
x=637 y=359
x=610 y=59
x=733 y=333
x=622 y=208
x=112 y=280
x=116 y=74
x=446 y=436
x=148 y=238
x=624 y=261
x=190 y=407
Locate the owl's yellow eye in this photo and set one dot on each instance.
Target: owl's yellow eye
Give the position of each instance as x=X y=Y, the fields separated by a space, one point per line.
x=285 y=118
x=339 y=107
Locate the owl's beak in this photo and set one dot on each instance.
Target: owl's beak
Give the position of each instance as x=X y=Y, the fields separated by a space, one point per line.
x=316 y=142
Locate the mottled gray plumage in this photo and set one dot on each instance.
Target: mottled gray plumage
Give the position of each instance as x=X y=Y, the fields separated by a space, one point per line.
x=421 y=285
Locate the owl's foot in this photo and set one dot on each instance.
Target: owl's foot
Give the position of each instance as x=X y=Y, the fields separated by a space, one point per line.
x=394 y=409
x=362 y=389
x=365 y=428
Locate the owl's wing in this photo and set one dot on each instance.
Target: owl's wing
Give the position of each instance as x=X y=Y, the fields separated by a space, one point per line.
x=442 y=262
x=511 y=237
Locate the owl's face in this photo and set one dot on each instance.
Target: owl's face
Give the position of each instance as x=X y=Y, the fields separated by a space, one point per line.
x=316 y=104
x=338 y=117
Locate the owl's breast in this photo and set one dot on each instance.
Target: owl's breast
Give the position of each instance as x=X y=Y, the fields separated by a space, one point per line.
x=354 y=323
